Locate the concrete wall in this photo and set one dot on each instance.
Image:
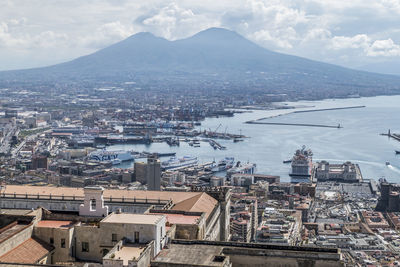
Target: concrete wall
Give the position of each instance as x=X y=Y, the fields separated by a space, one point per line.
x=60 y=254
x=69 y=205
x=90 y=234
x=147 y=233
x=213 y=225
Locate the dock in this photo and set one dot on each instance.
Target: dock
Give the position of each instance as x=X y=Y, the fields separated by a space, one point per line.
x=216 y=145
x=392 y=135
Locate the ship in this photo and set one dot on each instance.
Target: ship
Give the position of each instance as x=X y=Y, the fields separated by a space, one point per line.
x=174 y=162
x=247 y=168
x=397 y=152
x=224 y=164
x=301 y=165
x=115 y=157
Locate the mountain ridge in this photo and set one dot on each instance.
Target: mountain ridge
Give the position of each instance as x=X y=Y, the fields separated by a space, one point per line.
x=211 y=58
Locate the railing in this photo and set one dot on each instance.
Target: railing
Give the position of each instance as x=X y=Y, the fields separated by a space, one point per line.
x=41 y=197
x=166 y=203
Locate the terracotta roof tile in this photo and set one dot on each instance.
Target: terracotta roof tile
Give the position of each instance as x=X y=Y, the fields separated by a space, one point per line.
x=30 y=251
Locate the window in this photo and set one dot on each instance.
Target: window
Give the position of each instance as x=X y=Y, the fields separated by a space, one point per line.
x=63 y=242
x=114 y=238
x=51 y=240
x=93 y=204
x=85 y=247
x=136 y=237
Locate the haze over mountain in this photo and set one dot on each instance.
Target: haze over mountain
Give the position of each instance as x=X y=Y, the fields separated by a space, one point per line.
x=211 y=59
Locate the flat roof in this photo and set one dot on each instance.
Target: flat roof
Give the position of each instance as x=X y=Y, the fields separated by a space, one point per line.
x=132 y=218
x=128 y=252
x=190 y=255
x=180 y=218
x=55 y=224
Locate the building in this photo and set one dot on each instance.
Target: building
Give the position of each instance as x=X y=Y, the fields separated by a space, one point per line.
x=39 y=162
x=213 y=202
x=279 y=227
x=346 y=172
x=224 y=254
x=153 y=173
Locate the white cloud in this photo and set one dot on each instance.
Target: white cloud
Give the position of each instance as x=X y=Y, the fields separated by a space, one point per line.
x=344 y=42
x=174 y=22
x=338 y=31
x=107 y=34
x=386 y=48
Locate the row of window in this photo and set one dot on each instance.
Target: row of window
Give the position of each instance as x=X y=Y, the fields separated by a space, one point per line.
x=85 y=245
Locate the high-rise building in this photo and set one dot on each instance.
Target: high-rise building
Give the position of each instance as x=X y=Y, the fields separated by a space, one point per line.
x=153 y=173
x=39 y=162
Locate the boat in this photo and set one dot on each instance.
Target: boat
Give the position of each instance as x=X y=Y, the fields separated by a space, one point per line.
x=301 y=165
x=103 y=156
x=247 y=168
x=397 y=152
x=116 y=161
x=174 y=162
x=287 y=161
x=224 y=164
x=387 y=163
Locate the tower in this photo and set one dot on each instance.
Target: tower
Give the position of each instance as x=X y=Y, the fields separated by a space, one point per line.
x=153 y=173
x=93 y=204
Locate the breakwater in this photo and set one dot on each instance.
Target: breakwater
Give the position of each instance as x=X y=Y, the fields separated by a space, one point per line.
x=295 y=124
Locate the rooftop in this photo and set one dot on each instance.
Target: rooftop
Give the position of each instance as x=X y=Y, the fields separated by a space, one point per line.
x=55 y=224
x=185 y=201
x=132 y=218
x=30 y=251
x=180 y=218
x=11 y=230
x=128 y=252
x=190 y=255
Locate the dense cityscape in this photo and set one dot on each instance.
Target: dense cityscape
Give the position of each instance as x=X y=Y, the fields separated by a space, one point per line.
x=66 y=198
x=222 y=145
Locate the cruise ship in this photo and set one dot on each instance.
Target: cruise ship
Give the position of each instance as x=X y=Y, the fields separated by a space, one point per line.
x=115 y=157
x=174 y=162
x=247 y=168
x=301 y=165
x=224 y=164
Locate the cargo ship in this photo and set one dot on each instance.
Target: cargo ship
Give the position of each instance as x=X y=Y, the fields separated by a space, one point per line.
x=301 y=165
x=174 y=162
x=115 y=157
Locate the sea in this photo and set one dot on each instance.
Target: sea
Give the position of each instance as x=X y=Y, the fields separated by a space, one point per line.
x=358 y=140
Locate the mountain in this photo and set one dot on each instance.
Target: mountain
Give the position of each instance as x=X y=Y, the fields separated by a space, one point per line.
x=212 y=59
x=388 y=67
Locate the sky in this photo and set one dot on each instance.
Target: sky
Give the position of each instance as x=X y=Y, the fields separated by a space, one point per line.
x=352 y=33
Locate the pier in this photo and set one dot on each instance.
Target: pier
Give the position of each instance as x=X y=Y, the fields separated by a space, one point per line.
x=295 y=124
x=258 y=121
x=216 y=145
x=327 y=109
x=392 y=135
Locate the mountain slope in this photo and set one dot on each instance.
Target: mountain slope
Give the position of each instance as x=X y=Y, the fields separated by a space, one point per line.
x=211 y=59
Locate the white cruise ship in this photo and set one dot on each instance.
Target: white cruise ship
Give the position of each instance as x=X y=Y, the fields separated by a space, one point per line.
x=174 y=162
x=115 y=157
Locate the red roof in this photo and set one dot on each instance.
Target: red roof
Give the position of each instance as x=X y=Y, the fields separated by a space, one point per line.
x=30 y=251
x=55 y=224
